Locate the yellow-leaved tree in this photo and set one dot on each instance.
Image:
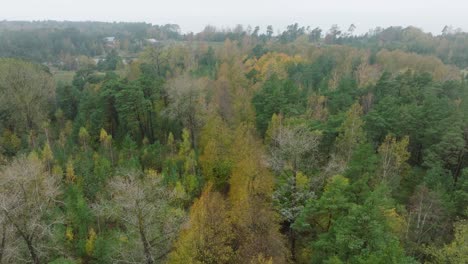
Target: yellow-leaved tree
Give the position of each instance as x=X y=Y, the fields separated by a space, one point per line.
x=215 y=159
x=393 y=155
x=255 y=223
x=208 y=237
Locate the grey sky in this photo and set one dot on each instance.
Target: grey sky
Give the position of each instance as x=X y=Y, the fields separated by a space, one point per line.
x=193 y=15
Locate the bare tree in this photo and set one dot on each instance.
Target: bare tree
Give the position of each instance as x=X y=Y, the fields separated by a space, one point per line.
x=294 y=148
x=143 y=207
x=27 y=195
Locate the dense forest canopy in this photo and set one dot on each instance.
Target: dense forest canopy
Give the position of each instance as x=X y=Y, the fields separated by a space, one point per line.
x=136 y=143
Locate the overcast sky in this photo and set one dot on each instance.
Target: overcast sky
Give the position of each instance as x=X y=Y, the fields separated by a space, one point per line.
x=193 y=15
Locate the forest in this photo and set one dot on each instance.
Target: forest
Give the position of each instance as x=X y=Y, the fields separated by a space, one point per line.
x=136 y=143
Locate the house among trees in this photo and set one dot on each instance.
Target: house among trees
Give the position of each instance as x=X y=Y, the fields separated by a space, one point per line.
x=110 y=42
x=152 y=41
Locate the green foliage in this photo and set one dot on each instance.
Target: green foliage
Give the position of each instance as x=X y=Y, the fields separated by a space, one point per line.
x=351 y=232
x=351 y=133
x=25 y=92
x=359 y=153
x=111 y=61
x=277 y=97
x=455 y=251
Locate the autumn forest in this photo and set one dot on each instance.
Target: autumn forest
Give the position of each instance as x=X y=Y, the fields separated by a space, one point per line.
x=136 y=143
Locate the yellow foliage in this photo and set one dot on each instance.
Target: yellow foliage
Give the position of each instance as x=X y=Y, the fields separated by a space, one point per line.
x=133 y=71
x=250 y=177
x=69 y=233
x=153 y=174
x=398 y=60
x=83 y=136
x=260 y=259
x=394 y=155
x=68 y=128
x=367 y=74
x=302 y=181
x=179 y=191
x=272 y=129
x=9 y=141
x=33 y=156
x=123 y=239
x=395 y=220
x=103 y=135
x=57 y=170
x=170 y=142
x=351 y=133
x=208 y=236
x=92 y=236
x=47 y=154
x=251 y=188
x=215 y=142
x=334 y=181
x=70 y=172
x=317 y=108
x=273 y=63
x=456 y=251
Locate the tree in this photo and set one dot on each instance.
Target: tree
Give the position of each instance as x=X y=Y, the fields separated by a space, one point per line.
x=106 y=141
x=293 y=151
x=83 y=136
x=449 y=153
x=290 y=198
x=333 y=35
x=135 y=111
x=292 y=33
x=142 y=205
x=293 y=148
x=111 y=61
x=269 y=31
x=393 y=155
x=455 y=251
x=47 y=157
x=315 y=35
x=343 y=231
x=186 y=104
x=78 y=220
x=334 y=203
x=368 y=233
x=157 y=59
x=351 y=133
x=251 y=187
x=276 y=97
x=26 y=90
x=215 y=160
x=426 y=220
x=351 y=29
x=189 y=163
x=10 y=143
x=28 y=196
x=209 y=236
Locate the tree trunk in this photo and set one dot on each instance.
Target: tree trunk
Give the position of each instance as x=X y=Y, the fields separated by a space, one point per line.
x=32 y=251
x=291 y=234
x=293 y=244
x=144 y=241
x=3 y=242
